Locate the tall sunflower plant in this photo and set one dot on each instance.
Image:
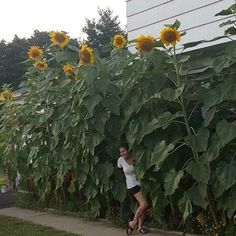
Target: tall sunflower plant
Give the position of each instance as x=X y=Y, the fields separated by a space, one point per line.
x=173 y=111
x=68 y=101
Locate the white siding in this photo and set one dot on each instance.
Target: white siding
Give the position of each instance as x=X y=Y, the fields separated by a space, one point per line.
x=197 y=18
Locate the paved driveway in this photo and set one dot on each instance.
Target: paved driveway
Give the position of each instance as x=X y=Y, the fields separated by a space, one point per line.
x=7 y=199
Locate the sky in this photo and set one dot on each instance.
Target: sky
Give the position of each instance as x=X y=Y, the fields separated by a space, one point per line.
x=22 y=17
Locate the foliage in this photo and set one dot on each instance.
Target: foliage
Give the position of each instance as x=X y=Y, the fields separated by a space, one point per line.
x=13 y=54
x=176 y=111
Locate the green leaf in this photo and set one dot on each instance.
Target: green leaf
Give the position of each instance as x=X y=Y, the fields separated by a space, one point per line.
x=104 y=172
x=199 y=170
x=198 y=141
x=172 y=180
x=159 y=154
x=184 y=58
x=209 y=115
x=226 y=173
x=221 y=63
x=192 y=44
x=91 y=102
x=196 y=43
x=91 y=75
x=90 y=140
x=102 y=85
x=162 y=121
x=89 y=190
x=119 y=191
x=171 y=94
x=228 y=22
x=160 y=201
x=112 y=104
x=231 y=31
x=220 y=93
x=196 y=198
x=185 y=207
x=81 y=178
x=229 y=11
x=226 y=132
x=218 y=189
x=60 y=57
x=175 y=25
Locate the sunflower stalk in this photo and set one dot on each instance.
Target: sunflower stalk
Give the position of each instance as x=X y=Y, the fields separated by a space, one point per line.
x=181 y=100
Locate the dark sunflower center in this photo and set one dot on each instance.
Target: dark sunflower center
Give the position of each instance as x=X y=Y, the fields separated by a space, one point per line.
x=41 y=65
x=35 y=53
x=85 y=56
x=147 y=45
x=170 y=36
x=60 y=38
x=119 y=41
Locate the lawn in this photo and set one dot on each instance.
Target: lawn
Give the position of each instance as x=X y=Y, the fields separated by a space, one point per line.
x=14 y=227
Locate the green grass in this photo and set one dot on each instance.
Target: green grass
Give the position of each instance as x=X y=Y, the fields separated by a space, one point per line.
x=10 y=226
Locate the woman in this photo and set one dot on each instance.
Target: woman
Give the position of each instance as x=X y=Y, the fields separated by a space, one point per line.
x=133 y=185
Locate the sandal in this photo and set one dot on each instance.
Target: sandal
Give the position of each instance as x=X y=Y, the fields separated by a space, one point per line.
x=130 y=230
x=143 y=230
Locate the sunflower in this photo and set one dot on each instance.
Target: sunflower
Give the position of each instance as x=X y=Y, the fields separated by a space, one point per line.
x=119 y=41
x=41 y=65
x=169 y=36
x=59 y=38
x=68 y=69
x=6 y=95
x=86 y=55
x=34 y=52
x=145 y=43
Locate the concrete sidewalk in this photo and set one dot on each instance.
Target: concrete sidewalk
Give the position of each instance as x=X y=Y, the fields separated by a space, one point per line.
x=69 y=224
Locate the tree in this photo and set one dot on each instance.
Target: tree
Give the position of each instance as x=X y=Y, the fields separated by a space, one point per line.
x=11 y=56
x=100 y=33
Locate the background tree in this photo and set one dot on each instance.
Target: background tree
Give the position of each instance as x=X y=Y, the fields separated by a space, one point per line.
x=100 y=33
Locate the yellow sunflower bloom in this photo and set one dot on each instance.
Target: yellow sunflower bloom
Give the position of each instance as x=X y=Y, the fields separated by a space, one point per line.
x=68 y=69
x=59 y=39
x=6 y=95
x=34 y=52
x=119 y=41
x=86 y=55
x=169 y=36
x=145 y=43
x=41 y=65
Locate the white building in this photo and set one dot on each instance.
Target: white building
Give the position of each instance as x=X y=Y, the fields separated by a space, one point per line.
x=197 y=18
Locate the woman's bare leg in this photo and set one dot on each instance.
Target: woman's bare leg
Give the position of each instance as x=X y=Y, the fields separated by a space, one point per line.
x=139 y=215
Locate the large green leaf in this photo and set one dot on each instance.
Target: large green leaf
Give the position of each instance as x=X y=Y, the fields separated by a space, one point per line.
x=226 y=173
x=172 y=180
x=91 y=102
x=159 y=154
x=102 y=85
x=162 y=121
x=112 y=103
x=199 y=170
x=198 y=141
x=226 y=132
x=225 y=91
x=171 y=94
x=229 y=11
x=196 y=198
